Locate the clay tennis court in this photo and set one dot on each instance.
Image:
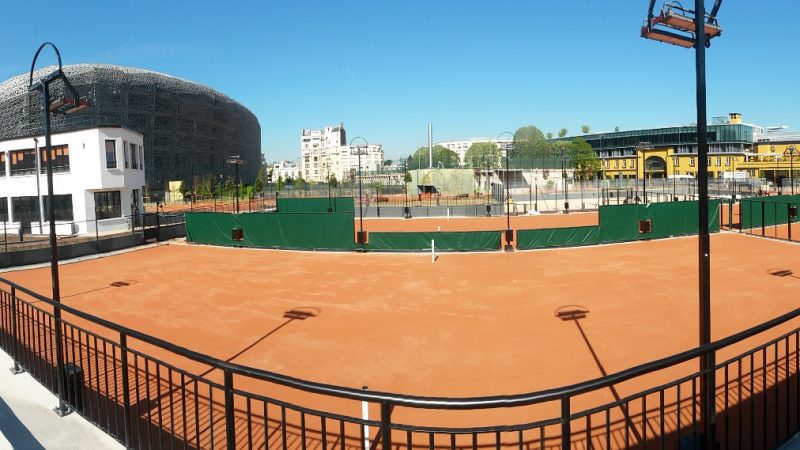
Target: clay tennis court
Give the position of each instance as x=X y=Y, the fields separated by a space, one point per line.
x=467 y=325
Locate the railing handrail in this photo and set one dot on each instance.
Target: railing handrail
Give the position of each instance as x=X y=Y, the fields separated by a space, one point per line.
x=428 y=402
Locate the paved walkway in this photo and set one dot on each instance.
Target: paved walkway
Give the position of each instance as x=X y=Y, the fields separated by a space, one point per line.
x=27 y=420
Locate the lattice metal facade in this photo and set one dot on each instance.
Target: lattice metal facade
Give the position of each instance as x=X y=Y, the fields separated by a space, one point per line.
x=189 y=129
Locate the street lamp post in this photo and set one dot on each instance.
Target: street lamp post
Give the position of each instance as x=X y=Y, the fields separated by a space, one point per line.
x=509 y=232
x=564 y=159
x=791 y=151
x=488 y=205
x=66 y=105
x=698 y=36
x=361 y=237
x=406 y=209
x=236 y=160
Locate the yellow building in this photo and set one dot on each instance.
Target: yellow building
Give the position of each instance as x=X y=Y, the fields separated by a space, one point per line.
x=735 y=149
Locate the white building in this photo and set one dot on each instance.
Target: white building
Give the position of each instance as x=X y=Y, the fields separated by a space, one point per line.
x=461 y=147
x=326 y=153
x=98 y=177
x=284 y=170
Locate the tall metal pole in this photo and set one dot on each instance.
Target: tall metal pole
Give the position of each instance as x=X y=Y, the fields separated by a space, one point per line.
x=62 y=409
x=707 y=382
x=430 y=145
x=236 y=164
x=360 y=198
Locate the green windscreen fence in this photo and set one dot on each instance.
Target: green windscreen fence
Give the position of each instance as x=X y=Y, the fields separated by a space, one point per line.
x=311 y=231
x=316 y=205
x=621 y=223
x=766 y=211
x=443 y=241
x=557 y=237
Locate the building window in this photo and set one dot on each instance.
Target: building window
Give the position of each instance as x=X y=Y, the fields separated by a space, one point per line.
x=124 y=153
x=60 y=154
x=616 y=164
x=719 y=161
x=691 y=162
x=676 y=161
x=624 y=163
x=708 y=160
x=728 y=161
x=25 y=209
x=677 y=172
x=2 y=164
x=111 y=154
x=23 y=162
x=107 y=205
x=134 y=157
x=141 y=158
x=62 y=205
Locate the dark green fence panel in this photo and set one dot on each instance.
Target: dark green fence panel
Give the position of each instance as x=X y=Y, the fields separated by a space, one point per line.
x=619 y=223
x=451 y=241
x=557 y=237
x=775 y=210
x=319 y=231
x=210 y=228
x=316 y=205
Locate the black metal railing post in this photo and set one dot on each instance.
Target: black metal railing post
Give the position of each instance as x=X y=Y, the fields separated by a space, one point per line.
x=230 y=427
x=16 y=369
x=386 y=429
x=789 y=220
x=565 y=424
x=763 y=219
x=126 y=391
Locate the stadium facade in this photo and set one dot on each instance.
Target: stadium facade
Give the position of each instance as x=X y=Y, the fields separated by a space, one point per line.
x=189 y=129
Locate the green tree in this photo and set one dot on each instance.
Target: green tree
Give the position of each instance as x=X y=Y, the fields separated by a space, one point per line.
x=183 y=190
x=442 y=157
x=229 y=186
x=528 y=141
x=563 y=132
x=387 y=162
x=377 y=186
x=549 y=135
x=280 y=183
x=482 y=155
x=259 y=183
x=205 y=186
x=585 y=129
x=584 y=159
x=299 y=183
x=407 y=177
x=332 y=181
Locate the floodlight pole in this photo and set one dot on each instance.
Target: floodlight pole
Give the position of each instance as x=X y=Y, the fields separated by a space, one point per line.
x=707 y=381
x=361 y=238
x=791 y=151
x=509 y=233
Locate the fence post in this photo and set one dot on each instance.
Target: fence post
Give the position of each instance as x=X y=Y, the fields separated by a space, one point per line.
x=763 y=218
x=789 y=219
x=565 y=424
x=386 y=429
x=708 y=404
x=16 y=345
x=230 y=428
x=126 y=391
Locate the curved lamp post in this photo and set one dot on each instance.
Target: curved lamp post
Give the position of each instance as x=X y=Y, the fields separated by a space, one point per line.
x=406 y=210
x=359 y=150
x=65 y=105
x=509 y=231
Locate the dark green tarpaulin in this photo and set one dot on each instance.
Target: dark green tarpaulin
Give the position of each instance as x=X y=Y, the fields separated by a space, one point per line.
x=316 y=205
x=452 y=241
x=320 y=231
x=620 y=223
x=557 y=237
x=775 y=210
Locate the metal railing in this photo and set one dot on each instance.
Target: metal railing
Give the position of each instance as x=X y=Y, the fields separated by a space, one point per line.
x=184 y=398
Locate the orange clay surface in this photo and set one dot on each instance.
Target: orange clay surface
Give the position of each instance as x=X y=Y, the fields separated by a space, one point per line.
x=469 y=324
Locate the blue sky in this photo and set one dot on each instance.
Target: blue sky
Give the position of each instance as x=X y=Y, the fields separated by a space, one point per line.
x=472 y=68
